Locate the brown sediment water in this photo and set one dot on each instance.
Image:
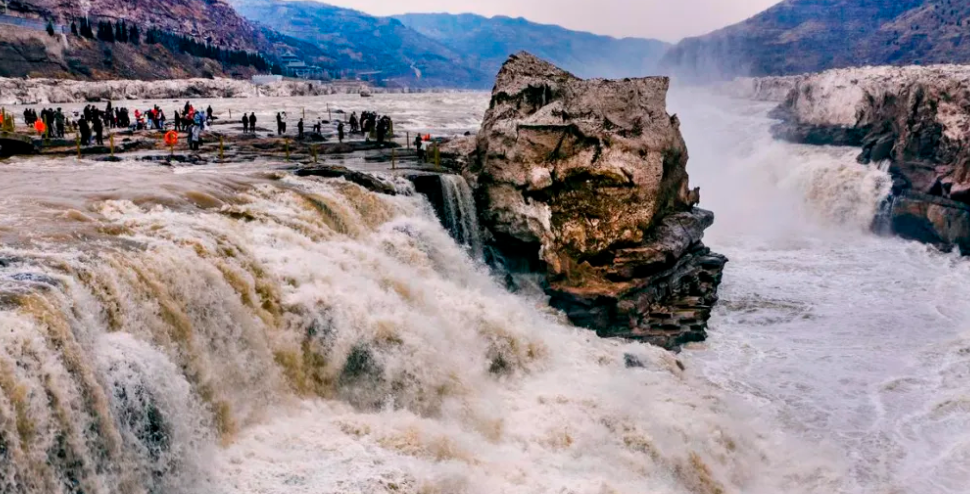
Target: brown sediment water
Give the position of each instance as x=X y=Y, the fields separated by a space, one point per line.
x=235 y=329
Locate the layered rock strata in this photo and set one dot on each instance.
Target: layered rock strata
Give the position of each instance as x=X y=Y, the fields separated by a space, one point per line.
x=915 y=118
x=585 y=183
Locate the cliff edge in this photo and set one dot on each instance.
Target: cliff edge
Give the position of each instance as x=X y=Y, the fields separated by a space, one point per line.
x=915 y=118
x=585 y=183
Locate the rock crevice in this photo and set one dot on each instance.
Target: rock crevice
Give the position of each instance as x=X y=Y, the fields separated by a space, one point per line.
x=585 y=182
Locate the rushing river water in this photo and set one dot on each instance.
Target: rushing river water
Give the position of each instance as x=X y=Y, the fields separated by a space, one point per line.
x=231 y=330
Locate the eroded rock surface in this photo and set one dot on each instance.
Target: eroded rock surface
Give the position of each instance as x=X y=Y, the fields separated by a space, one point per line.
x=585 y=182
x=917 y=119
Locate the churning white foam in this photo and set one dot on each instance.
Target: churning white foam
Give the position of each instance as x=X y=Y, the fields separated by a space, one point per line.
x=852 y=341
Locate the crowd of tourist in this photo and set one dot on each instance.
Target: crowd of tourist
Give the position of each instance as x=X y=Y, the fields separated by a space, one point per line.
x=90 y=123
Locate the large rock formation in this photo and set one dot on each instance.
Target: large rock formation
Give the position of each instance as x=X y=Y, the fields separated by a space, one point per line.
x=585 y=182
x=917 y=119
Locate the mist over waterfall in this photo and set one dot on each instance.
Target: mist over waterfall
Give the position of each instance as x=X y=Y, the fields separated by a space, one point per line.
x=823 y=325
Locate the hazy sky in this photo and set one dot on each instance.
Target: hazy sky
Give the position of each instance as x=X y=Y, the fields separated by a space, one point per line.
x=668 y=20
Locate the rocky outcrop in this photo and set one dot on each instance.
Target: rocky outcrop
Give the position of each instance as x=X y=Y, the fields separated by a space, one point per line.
x=773 y=89
x=915 y=118
x=365 y=180
x=585 y=182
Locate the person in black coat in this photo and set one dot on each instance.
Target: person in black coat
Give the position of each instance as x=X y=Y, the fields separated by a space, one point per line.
x=85 y=129
x=98 y=131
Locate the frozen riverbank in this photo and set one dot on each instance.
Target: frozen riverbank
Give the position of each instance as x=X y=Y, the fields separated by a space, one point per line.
x=52 y=91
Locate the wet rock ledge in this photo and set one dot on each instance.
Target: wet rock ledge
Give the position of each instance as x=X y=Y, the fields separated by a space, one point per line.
x=916 y=119
x=585 y=183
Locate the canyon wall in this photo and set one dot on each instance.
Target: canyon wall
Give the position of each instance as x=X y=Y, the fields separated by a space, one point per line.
x=916 y=119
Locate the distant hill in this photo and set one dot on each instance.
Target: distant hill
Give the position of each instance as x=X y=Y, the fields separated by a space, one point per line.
x=798 y=36
x=176 y=39
x=485 y=43
x=358 y=43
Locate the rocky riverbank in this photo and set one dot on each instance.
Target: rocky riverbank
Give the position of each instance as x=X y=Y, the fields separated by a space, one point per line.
x=774 y=89
x=916 y=119
x=585 y=183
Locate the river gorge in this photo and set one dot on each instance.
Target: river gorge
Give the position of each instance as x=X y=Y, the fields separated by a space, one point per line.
x=235 y=329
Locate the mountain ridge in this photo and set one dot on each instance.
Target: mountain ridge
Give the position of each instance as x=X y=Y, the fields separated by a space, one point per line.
x=360 y=43
x=176 y=39
x=487 y=42
x=806 y=36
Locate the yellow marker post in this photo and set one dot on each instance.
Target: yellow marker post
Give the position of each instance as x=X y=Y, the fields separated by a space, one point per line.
x=313 y=151
x=393 y=160
x=111 y=142
x=437 y=157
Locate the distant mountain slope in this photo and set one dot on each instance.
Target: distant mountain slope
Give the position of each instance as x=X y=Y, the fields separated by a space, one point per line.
x=205 y=19
x=485 y=43
x=192 y=38
x=358 y=43
x=798 y=36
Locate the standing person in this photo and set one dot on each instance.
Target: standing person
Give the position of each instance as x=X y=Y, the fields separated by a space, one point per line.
x=381 y=131
x=98 y=131
x=85 y=131
x=279 y=124
x=340 y=132
x=417 y=146
x=208 y=112
x=178 y=121
x=353 y=123
x=252 y=122
x=59 y=122
x=195 y=137
x=299 y=129
x=245 y=123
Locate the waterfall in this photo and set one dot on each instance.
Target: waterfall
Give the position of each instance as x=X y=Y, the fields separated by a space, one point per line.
x=251 y=334
x=461 y=217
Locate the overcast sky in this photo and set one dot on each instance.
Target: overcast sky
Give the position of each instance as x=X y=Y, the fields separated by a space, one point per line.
x=668 y=20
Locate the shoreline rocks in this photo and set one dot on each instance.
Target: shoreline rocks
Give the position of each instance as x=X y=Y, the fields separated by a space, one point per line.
x=915 y=118
x=585 y=183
